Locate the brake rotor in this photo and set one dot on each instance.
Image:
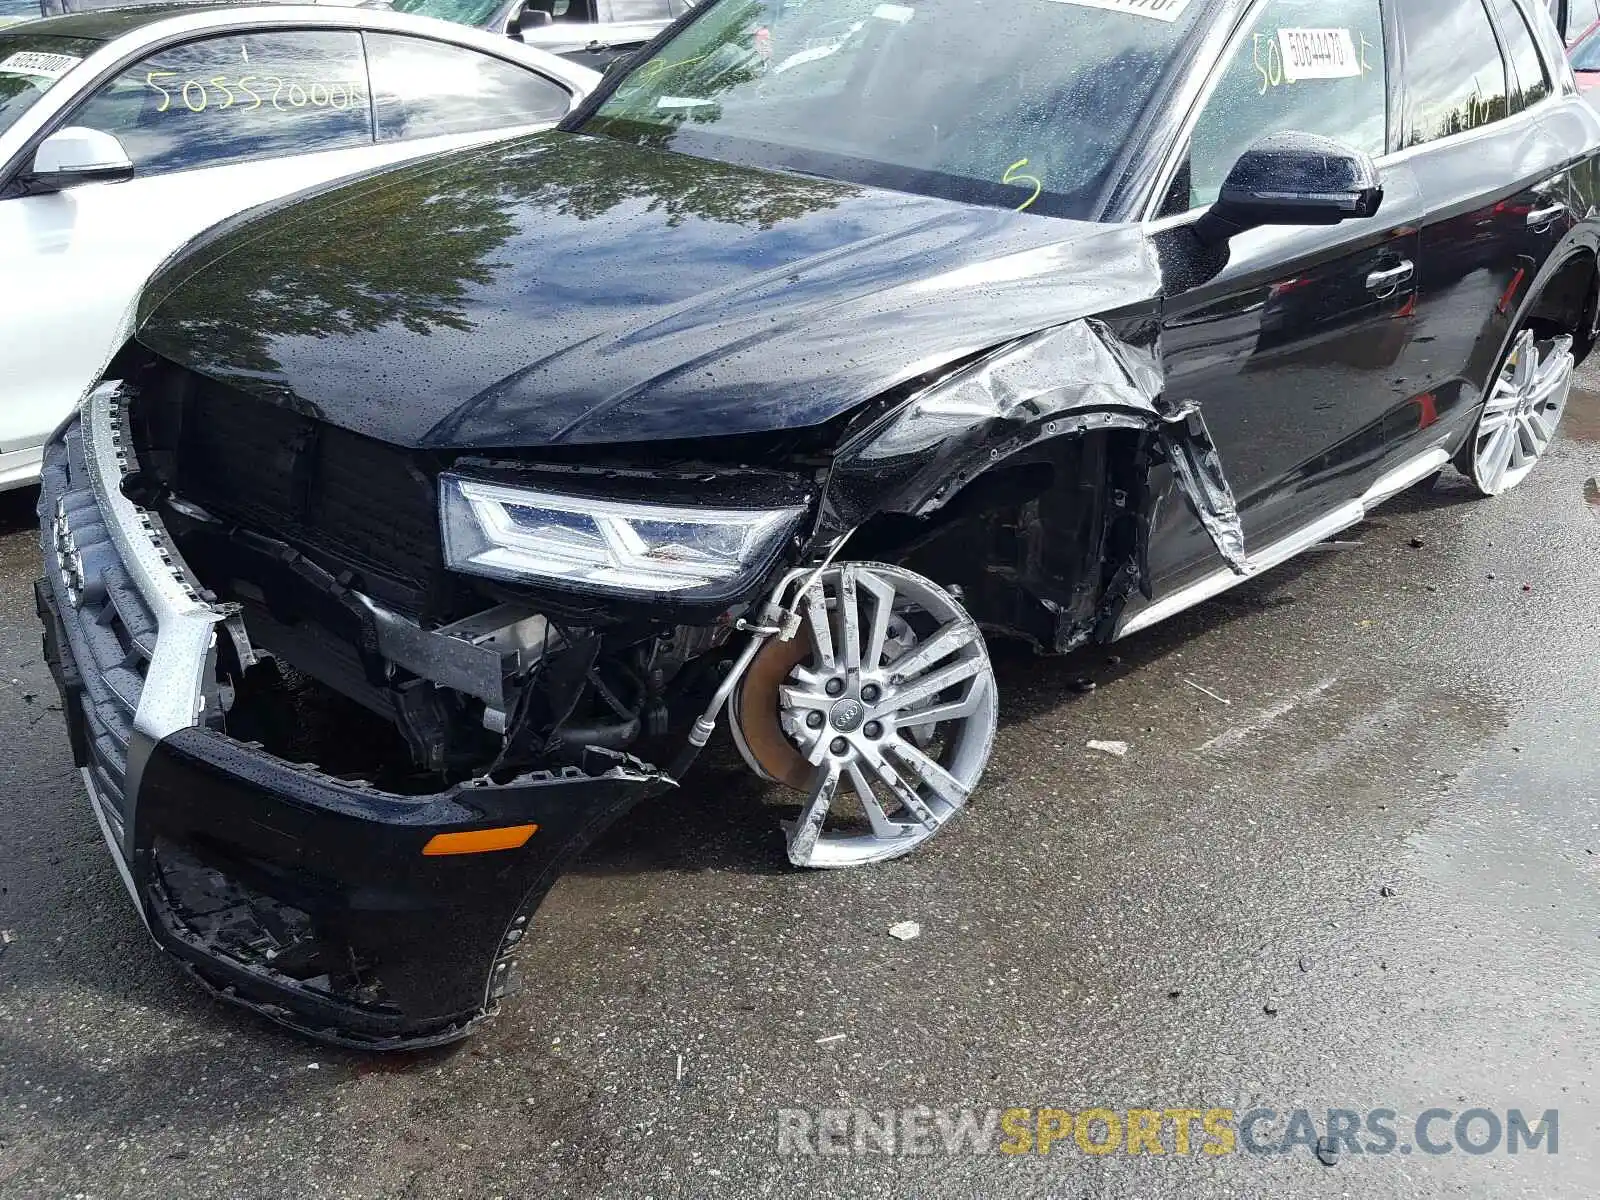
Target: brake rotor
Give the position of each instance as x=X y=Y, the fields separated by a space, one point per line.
x=754 y=710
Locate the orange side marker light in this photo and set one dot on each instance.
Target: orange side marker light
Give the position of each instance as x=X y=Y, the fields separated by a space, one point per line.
x=480 y=841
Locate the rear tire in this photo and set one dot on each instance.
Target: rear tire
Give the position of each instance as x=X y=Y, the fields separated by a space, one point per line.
x=1521 y=413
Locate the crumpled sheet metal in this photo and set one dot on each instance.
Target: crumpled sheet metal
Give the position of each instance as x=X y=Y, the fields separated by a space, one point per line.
x=1068 y=379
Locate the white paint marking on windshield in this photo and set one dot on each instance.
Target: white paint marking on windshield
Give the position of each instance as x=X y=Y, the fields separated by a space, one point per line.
x=37 y=62
x=1318 y=54
x=1156 y=10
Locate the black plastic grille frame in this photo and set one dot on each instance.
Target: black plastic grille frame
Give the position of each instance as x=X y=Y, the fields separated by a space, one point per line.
x=336 y=495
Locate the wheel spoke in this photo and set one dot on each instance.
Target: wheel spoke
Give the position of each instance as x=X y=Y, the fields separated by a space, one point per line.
x=1494 y=420
x=807 y=829
x=954 y=710
x=945 y=642
x=1496 y=455
x=1527 y=364
x=1503 y=398
x=1541 y=431
x=1552 y=386
x=792 y=696
x=882 y=826
x=898 y=785
x=849 y=620
x=930 y=685
x=1520 y=455
x=817 y=622
x=816 y=752
x=882 y=615
x=950 y=789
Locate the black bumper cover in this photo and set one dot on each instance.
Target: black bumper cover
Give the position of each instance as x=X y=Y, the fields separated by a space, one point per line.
x=309 y=900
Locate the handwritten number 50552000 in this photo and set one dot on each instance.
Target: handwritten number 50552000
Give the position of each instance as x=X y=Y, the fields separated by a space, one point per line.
x=285 y=94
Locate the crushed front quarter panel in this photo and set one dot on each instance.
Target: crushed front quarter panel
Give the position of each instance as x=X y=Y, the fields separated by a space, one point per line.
x=1032 y=403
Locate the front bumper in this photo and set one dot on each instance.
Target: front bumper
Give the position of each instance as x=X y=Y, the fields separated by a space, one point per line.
x=301 y=896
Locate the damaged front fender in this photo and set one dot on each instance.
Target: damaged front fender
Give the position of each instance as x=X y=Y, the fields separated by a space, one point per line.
x=1021 y=413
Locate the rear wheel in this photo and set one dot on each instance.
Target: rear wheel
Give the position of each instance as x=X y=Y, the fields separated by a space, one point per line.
x=881 y=711
x=1521 y=414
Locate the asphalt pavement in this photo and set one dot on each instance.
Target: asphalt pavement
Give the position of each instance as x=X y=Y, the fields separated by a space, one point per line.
x=1350 y=860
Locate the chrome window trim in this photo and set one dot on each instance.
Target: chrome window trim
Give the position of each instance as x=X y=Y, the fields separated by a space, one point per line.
x=1153 y=222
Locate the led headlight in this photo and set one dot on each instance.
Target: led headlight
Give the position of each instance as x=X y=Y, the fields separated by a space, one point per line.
x=605 y=545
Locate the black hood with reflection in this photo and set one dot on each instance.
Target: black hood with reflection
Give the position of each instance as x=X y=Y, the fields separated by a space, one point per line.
x=572 y=289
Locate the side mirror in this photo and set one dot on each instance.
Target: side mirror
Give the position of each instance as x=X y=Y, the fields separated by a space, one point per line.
x=1293 y=179
x=77 y=155
x=531 y=18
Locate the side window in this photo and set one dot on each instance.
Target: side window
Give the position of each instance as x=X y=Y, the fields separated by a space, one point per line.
x=425 y=89
x=568 y=12
x=1581 y=15
x=1312 y=66
x=236 y=98
x=1454 y=72
x=1529 y=83
x=639 y=10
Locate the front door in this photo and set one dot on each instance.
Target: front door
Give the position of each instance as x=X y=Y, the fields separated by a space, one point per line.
x=1300 y=352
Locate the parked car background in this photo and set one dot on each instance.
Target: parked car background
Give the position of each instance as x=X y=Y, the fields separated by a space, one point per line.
x=1583 y=17
x=12 y=11
x=1585 y=58
x=592 y=32
x=208 y=112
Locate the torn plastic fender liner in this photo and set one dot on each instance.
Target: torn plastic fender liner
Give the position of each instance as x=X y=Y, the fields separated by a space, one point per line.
x=1063 y=381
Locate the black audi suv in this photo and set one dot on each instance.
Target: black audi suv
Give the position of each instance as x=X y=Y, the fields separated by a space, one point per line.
x=427 y=523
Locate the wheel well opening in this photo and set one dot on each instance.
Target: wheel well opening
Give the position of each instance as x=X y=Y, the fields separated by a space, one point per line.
x=1568 y=303
x=1034 y=545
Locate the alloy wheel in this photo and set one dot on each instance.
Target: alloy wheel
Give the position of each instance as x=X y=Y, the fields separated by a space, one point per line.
x=887 y=714
x=1521 y=414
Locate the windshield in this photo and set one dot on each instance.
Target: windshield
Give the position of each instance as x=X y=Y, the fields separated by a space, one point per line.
x=30 y=66
x=461 y=12
x=1023 y=104
x=18 y=10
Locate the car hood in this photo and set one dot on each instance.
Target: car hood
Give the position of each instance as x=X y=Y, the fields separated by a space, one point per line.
x=570 y=289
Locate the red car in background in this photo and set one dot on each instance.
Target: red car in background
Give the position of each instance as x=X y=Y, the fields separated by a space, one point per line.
x=1582 y=31
x=1585 y=57
x=1583 y=18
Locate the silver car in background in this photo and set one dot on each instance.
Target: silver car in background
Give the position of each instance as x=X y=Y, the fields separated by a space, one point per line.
x=591 y=32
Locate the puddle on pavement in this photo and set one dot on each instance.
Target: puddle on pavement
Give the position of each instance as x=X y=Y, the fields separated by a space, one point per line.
x=1581 y=421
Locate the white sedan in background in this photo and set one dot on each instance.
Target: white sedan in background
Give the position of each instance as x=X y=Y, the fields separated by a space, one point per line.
x=123 y=134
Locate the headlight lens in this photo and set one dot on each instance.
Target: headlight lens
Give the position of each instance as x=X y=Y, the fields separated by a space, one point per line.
x=606 y=545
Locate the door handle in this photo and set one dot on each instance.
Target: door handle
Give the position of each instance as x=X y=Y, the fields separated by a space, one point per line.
x=1386 y=283
x=1543 y=216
